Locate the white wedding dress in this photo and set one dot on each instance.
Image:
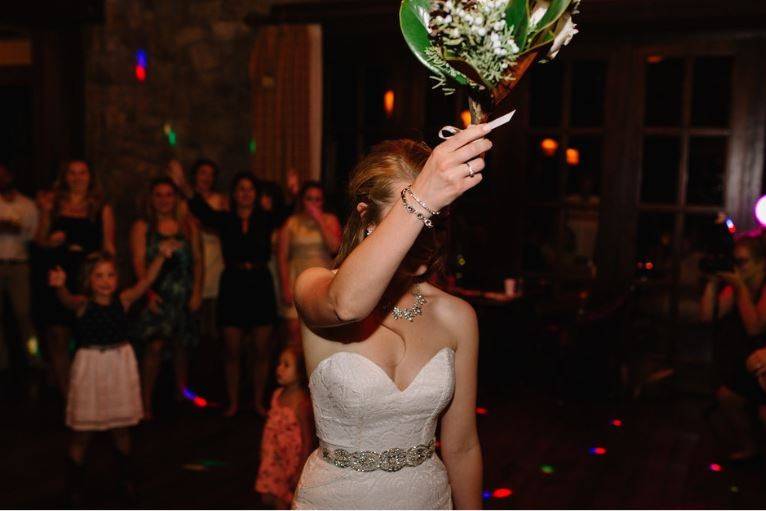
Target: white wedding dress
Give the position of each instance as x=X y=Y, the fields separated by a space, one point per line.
x=357 y=407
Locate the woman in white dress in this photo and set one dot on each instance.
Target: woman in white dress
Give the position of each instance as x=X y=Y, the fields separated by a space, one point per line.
x=389 y=354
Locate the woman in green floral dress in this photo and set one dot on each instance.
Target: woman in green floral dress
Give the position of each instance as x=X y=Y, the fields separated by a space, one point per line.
x=176 y=294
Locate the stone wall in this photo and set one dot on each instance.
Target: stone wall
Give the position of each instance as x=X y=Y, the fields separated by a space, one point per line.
x=197 y=83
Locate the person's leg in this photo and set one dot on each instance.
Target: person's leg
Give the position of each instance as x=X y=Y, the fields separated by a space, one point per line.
x=293 y=326
x=150 y=370
x=181 y=367
x=734 y=408
x=78 y=447
x=125 y=464
x=58 y=348
x=262 y=338
x=232 y=338
x=21 y=303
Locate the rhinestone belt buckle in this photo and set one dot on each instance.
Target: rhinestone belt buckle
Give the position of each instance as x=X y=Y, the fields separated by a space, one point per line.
x=391 y=460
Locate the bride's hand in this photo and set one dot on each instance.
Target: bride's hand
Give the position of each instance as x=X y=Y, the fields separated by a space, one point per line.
x=448 y=172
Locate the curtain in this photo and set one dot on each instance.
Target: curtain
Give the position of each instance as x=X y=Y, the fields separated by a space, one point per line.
x=286 y=77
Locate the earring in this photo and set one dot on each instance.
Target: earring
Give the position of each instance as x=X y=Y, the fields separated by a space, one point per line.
x=367 y=231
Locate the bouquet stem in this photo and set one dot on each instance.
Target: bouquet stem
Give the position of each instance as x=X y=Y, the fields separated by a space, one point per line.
x=478 y=113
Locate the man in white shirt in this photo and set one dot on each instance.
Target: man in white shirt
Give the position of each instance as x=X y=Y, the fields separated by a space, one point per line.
x=18 y=221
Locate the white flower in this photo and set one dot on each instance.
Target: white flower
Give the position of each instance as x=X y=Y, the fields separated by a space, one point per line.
x=564 y=35
x=482 y=32
x=498 y=25
x=468 y=18
x=541 y=7
x=449 y=5
x=448 y=19
x=478 y=20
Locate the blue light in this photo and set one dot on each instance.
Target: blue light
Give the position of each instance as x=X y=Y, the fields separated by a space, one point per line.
x=141 y=58
x=486 y=494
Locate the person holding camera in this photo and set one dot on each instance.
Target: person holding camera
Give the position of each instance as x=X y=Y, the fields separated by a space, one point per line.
x=735 y=302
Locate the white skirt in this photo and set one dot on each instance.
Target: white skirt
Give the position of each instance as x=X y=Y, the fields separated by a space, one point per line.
x=104 y=389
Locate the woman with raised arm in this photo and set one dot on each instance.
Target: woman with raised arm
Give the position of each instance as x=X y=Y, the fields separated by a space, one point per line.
x=309 y=239
x=176 y=294
x=75 y=221
x=388 y=353
x=246 y=303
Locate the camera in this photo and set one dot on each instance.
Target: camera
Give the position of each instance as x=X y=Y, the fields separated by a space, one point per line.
x=718 y=242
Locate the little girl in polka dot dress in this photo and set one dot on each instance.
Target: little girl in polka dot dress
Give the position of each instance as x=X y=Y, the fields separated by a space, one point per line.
x=104 y=387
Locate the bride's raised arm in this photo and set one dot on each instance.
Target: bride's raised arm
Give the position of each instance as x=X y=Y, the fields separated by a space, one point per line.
x=325 y=298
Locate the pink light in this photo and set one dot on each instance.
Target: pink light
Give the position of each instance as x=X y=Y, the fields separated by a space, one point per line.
x=481 y=411
x=598 y=451
x=502 y=493
x=617 y=423
x=760 y=210
x=715 y=467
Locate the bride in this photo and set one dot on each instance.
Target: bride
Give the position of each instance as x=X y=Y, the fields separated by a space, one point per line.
x=389 y=354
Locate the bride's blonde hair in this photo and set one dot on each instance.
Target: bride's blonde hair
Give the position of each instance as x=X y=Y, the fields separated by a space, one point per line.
x=373 y=182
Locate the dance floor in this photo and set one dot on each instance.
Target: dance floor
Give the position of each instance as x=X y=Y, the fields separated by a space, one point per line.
x=540 y=452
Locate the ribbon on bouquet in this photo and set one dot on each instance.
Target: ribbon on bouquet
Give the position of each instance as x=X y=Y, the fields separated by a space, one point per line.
x=450 y=131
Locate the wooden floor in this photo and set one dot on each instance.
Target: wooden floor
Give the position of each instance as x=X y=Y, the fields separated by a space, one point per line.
x=536 y=445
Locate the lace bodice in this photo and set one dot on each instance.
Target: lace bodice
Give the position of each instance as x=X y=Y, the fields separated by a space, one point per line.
x=358 y=407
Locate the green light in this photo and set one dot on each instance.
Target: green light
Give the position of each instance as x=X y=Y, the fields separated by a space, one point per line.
x=251 y=146
x=546 y=469
x=33 y=347
x=172 y=137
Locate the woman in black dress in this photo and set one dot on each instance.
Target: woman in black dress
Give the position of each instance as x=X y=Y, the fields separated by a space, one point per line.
x=246 y=303
x=75 y=221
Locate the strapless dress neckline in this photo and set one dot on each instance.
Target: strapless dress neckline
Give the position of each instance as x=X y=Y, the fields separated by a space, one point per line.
x=380 y=369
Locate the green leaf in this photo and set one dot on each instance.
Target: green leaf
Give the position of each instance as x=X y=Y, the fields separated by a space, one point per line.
x=554 y=12
x=411 y=21
x=517 y=16
x=420 y=8
x=545 y=38
x=414 y=32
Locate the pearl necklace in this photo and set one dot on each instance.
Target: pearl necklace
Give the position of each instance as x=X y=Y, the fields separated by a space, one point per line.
x=409 y=313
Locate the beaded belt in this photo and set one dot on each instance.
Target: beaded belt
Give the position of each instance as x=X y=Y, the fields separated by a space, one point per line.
x=391 y=460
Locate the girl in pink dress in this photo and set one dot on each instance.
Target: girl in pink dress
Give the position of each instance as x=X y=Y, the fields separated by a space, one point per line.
x=288 y=436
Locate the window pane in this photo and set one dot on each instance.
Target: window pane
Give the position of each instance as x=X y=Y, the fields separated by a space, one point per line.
x=546 y=94
x=707 y=166
x=664 y=86
x=711 y=100
x=588 y=86
x=540 y=240
x=654 y=245
x=584 y=164
x=543 y=168
x=659 y=183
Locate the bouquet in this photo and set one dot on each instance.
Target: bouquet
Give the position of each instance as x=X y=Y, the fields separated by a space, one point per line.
x=485 y=45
